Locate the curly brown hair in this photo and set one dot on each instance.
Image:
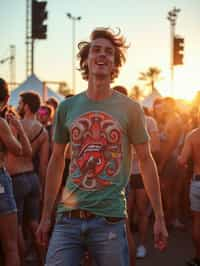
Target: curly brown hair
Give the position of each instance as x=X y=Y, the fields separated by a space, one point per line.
x=117 y=40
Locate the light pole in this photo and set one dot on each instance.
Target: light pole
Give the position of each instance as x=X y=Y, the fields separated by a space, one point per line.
x=172 y=17
x=73 y=19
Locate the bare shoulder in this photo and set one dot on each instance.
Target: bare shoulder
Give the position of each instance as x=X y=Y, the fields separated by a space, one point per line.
x=41 y=130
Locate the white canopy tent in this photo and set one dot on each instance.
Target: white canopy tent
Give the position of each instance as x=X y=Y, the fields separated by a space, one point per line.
x=33 y=83
x=148 y=101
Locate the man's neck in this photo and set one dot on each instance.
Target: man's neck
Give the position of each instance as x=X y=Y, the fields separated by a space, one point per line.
x=99 y=89
x=29 y=116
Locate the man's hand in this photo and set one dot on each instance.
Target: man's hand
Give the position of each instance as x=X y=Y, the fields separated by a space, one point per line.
x=43 y=232
x=181 y=162
x=14 y=122
x=160 y=234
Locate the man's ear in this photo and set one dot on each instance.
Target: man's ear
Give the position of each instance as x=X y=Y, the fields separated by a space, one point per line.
x=6 y=99
x=86 y=63
x=25 y=106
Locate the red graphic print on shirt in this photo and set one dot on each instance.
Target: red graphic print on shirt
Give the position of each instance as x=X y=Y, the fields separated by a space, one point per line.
x=96 y=150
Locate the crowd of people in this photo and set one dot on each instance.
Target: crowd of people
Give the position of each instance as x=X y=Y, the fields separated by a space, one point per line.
x=80 y=177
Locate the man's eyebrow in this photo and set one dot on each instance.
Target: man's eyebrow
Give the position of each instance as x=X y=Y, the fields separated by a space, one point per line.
x=98 y=46
x=110 y=48
x=95 y=45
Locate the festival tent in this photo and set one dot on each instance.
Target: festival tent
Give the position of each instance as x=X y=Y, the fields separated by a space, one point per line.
x=33 y=83
x=148 y=100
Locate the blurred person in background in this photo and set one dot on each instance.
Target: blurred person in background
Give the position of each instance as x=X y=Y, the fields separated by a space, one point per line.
x=53 y=102
x=17 y=146
x=45 y=115
x=171 y=134
x=190 y=151
x=28 y=172
x=138 y=202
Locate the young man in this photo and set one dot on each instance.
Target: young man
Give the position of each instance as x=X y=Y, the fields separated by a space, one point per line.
x=191 y=151
x=8 y=210
x=101 y=124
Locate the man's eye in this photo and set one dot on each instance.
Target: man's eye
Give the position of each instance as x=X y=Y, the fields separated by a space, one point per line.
x=110 y=52
x=96 y=49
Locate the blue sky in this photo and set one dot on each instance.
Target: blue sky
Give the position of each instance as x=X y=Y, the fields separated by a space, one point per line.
x=143 y=23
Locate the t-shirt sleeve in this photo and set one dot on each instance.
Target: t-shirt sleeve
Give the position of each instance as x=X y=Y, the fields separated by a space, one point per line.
x=137 y=130
x=60 y=134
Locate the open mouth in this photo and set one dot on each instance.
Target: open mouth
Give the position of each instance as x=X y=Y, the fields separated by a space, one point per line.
x=100 y=63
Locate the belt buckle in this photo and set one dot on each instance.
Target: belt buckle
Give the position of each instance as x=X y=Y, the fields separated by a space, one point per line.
x=83 y=214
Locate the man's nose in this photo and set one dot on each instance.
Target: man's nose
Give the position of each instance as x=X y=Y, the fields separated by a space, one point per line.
x=102 y=53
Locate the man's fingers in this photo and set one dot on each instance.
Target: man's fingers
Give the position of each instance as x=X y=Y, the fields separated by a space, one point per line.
x=160 y=242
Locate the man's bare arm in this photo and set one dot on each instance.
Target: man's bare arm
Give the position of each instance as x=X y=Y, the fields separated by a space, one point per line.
x=18 y=130
x=9 y=140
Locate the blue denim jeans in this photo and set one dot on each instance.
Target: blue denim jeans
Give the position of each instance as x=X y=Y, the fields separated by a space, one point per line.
x=26 y=189
x=7 y=200
x=105 y=241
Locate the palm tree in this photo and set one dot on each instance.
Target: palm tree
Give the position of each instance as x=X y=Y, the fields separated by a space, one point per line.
x=136 y=92
x=150 y=77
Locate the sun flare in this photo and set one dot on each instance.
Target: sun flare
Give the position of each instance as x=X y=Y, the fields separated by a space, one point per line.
x=185 y=85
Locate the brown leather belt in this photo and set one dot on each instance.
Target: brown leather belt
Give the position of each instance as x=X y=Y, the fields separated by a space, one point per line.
x=84 y=214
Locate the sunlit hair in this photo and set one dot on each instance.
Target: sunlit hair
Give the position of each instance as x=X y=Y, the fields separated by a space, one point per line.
x=170 y=101
x=157 y=101
x=32 y=99
x=3 y=90
x=117 y=40
x=53 y=102
x=121 y=89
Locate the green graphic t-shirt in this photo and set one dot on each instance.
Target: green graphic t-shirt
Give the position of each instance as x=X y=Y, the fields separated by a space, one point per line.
x=100 y=134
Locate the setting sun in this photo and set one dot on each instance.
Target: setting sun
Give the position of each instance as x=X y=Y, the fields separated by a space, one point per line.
x=186 y=83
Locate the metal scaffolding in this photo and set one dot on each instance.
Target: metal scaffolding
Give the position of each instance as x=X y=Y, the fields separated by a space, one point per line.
x=29 y=41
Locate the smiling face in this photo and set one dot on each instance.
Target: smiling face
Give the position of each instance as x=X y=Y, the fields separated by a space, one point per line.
x=101 y=58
